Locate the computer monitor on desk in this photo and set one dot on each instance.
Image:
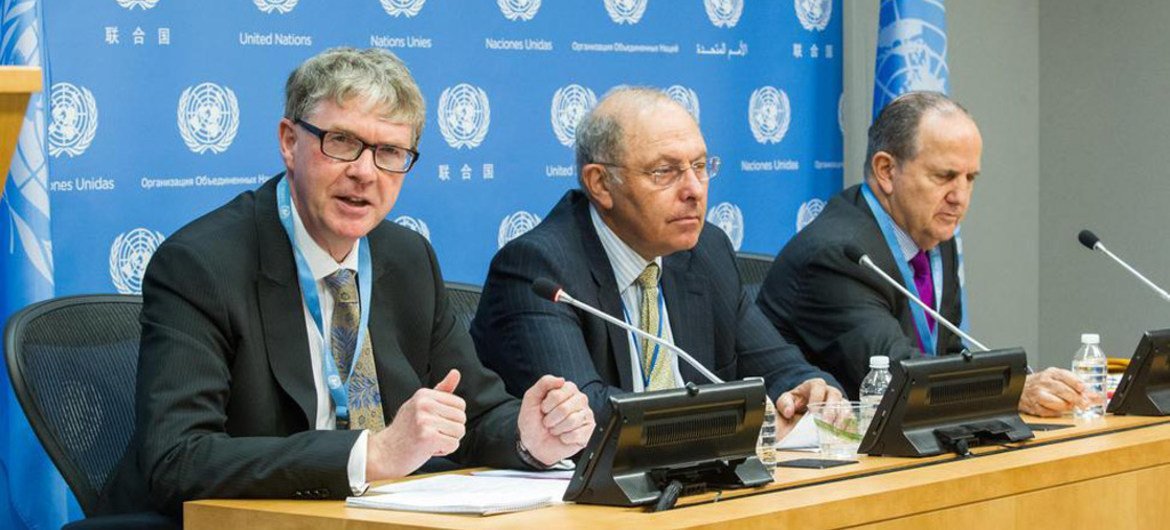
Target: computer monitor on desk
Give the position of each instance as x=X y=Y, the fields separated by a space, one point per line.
x=950 y=403
x=703 y=437
x=1144 y=390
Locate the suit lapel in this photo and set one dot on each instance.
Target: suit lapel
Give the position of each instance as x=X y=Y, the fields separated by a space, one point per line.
x=949 y=292
x=281 y=311
x=397 y=377
x=689 y=310
x=608 y=296
x=883 y=257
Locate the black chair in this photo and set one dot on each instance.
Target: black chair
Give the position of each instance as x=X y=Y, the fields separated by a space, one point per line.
x=72 y=362
x=753 y=268
x=464 y=300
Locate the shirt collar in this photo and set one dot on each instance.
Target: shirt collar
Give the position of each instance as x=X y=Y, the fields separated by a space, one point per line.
x=627 y=264
x=905 y=243
x=321 y=264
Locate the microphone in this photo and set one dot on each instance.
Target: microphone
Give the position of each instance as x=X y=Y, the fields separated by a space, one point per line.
x=549 y=290
x=856 y=255
x=1092 y=242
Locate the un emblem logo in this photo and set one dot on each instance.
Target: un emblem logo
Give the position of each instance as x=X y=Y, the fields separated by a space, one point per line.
x=625 y=11
x=769 y=114
x=687 y=98
x=414 y=224
x=515 y=225
x=522 y=10
x=728 y=218
x=129 y=255
x=569 y=105
x=724 y=13
x=208 y=117
x=74 y=120
x=276 y=6
x=808 y=211
x=464 y=115
x=814 y=15
x=143 y=4
x=407 y=8
x=911 y=56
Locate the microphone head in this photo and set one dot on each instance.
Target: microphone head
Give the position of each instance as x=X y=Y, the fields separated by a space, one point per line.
x=547 y=289
x=1088 y=239
x=854 y=253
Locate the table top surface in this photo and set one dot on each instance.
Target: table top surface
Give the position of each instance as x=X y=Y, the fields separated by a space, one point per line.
x=1084 y=450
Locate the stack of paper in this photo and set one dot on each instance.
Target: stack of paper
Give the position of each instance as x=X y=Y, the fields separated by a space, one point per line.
x=464 y=494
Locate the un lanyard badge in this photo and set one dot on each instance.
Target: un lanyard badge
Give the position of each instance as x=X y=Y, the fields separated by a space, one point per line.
x=927 y=337
x=338 y=388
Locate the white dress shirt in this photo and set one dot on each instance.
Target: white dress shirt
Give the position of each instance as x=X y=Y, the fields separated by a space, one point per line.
x=627 y=266
x=321 y=264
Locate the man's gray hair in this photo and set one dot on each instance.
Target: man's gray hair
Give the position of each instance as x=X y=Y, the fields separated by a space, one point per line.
x=599 y=133
x=374 y=77
x=895 y=130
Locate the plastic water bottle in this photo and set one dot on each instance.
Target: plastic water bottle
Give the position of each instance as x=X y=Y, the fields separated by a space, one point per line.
x=766 y=445
x=1090 y=365
x=873 y=387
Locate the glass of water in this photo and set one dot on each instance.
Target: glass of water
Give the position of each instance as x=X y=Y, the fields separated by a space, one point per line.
x=840 y=427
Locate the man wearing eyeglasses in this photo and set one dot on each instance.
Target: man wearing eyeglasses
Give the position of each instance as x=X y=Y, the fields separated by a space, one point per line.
x=632 y=242
x=298 y=345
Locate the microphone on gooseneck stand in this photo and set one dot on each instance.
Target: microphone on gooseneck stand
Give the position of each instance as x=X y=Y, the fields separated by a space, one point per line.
x=549 y=290
x=1092 y=242
x=857 y=256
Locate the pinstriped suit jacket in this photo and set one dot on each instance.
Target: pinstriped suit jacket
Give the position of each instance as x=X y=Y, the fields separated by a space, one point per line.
x=225 y=399
x=521 y=336
x=840 y=314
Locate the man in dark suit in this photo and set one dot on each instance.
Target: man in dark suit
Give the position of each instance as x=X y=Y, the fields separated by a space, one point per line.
x=923 y=156
x=239 y=395
x=633 y=242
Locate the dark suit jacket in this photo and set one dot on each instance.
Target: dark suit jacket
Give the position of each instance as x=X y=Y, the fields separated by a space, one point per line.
x=226 y=405
x=839 y=313
x=522 y=336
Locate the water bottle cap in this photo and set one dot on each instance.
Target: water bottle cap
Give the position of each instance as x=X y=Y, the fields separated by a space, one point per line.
x=879 y=361
x=1090 y=338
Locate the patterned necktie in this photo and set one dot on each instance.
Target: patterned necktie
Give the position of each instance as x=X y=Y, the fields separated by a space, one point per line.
x=365 y=400
x=662 y=372
x=924 y=282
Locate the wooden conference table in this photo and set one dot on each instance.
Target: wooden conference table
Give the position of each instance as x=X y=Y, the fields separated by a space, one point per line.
x=1112 y=473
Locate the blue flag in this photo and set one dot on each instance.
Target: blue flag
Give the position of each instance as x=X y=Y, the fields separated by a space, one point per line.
x=912 y=55
x=32 y=492
x=911 y=50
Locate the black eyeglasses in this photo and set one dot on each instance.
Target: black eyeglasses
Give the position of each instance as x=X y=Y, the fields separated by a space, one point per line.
x=341 y=146
x=666 y=176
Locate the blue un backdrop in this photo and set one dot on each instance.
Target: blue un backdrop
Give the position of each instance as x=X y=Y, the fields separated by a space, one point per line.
x=157 y=111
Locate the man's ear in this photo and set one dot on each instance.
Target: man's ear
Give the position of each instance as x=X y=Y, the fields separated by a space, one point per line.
x=883 y=166
x=287 y=137
x=598 y=184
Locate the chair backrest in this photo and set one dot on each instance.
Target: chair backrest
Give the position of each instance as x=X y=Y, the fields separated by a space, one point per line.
x=72 y=361
x=464 y=300
x=753 y=268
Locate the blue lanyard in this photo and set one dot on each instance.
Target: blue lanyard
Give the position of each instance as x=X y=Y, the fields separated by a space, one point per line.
x=338 y=389
x=927 y=337
x=647 y=372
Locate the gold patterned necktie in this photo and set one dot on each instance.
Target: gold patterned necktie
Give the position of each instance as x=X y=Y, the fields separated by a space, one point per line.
x=661 y=374
x=365 y=400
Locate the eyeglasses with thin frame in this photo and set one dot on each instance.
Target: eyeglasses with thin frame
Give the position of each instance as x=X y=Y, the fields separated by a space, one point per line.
x=665 y=176
x=346 y=148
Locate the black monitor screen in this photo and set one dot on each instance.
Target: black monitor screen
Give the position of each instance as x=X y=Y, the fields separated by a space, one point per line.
x=703 y=436
x=1144 y=390
x=939 y=404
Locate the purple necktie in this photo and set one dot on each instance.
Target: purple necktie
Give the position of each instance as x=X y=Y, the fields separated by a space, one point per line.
x=923 y=282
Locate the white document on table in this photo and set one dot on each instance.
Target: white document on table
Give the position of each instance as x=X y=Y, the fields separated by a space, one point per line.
x=802 y=437
x=464 y=494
